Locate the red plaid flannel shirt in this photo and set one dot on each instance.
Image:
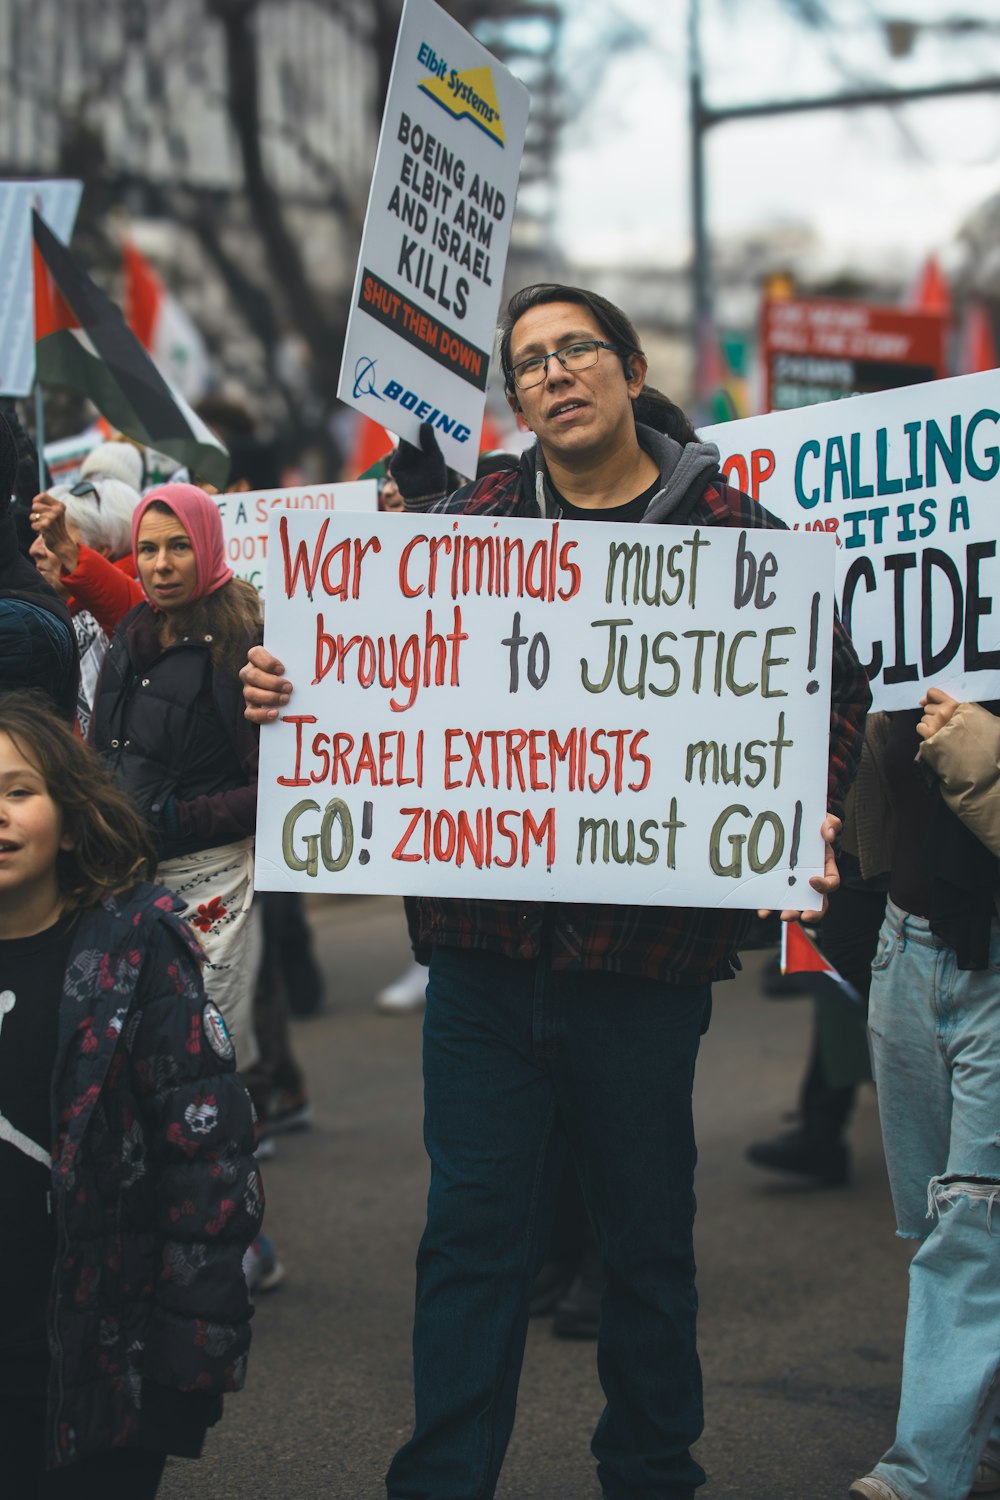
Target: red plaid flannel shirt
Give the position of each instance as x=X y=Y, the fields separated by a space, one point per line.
x=673 y=944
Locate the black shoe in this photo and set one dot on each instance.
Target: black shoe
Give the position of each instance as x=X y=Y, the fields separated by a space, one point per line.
x=804 y=1153
x=578 y=1313
x=552 y=1283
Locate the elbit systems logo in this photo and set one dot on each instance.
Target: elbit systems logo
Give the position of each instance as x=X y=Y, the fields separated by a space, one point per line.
x=470 y=95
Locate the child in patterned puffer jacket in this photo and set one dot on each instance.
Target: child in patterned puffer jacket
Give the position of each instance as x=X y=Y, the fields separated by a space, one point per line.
x=128 y=1187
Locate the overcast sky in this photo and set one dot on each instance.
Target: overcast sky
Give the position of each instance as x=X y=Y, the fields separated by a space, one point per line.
x=870 y=182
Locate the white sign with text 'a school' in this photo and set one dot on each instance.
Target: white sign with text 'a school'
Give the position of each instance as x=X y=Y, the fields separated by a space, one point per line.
x=431 y=265
x=525 y=710
x=245 y=516
x=908 y=483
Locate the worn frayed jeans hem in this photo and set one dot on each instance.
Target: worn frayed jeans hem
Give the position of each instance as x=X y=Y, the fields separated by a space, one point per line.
x=943 y=1192
x=890 y=1476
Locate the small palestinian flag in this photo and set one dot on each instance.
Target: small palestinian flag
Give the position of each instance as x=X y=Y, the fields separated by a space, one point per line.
x=799 y=955
x=81 y=340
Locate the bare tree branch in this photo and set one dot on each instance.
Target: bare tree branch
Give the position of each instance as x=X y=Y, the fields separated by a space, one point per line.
x=323 y=336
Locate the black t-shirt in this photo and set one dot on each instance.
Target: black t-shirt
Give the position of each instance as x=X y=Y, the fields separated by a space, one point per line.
x=912 y=798
x=31 y=981
x=632 y=510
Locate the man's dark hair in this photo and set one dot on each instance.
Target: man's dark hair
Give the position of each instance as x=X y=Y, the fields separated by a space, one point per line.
x=653 y=409
x=618 y=329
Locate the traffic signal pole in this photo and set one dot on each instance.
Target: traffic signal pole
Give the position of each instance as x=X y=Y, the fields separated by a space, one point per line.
x=703 y=118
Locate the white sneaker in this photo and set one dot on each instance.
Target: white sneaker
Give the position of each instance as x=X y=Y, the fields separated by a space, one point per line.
x=986 y=1480
x=405 y=993
x=873 y=1488
x=262 y=1269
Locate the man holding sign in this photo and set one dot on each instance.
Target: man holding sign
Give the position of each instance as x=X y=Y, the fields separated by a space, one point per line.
x=547 y=1020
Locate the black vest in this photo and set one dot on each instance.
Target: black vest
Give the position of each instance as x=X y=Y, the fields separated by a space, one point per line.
x=160 y=726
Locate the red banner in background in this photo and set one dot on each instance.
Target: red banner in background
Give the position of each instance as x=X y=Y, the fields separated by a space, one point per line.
x=822 y=349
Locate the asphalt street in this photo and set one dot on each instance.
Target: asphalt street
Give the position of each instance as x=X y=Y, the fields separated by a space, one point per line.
x=802 y=1291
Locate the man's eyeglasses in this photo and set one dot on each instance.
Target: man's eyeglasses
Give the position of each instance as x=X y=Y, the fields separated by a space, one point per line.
x=579 y=355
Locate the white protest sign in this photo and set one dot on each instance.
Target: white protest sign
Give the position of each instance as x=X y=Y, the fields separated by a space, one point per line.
x=427 y=289
x=245 y=516
x=908 y=482
x=64 y=457
x=57 y=200
x=535 y=711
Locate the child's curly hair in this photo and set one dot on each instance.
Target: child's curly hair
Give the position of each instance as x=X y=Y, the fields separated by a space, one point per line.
x=112 y=848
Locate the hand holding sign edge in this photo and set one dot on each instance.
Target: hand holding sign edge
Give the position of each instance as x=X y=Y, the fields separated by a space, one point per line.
x=265 y=687
x=824 y=884
x=938 y=707
x=420 y=473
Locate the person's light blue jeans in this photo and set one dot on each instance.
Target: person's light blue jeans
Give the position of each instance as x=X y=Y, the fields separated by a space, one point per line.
x=935 y=1032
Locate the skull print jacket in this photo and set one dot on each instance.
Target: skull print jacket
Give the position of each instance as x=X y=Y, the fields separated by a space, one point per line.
x=155 y=1190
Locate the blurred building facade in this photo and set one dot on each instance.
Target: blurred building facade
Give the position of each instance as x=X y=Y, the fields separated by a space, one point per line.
x=233 y=141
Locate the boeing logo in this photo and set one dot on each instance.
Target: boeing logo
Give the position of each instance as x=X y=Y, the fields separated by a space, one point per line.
x=364 y=378
x=364 y=385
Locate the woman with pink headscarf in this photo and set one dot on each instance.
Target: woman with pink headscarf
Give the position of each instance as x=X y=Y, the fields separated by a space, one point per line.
x=168 y=719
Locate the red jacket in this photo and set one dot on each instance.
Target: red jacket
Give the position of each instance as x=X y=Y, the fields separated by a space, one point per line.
x=108 y=590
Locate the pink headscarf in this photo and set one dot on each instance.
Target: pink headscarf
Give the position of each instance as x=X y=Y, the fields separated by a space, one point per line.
x=199 y=515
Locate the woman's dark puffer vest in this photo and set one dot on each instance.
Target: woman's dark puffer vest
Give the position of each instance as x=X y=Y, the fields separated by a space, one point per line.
x=166 y=723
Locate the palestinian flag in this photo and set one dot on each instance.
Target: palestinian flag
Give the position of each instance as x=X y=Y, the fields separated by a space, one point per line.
x=799 y=955
x=81 y=340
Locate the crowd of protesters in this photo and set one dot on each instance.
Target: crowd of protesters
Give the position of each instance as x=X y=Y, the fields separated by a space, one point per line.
x=153 y=1066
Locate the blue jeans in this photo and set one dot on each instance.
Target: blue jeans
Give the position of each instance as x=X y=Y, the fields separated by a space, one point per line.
x=516 y=1060
x=935 y=1033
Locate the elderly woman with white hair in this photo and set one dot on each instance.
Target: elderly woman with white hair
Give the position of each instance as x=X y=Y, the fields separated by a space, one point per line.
x=82 y=531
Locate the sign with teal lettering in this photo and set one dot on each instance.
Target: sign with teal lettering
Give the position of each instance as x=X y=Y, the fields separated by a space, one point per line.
x=427 y=288
x=908 y=483
x=531 y=711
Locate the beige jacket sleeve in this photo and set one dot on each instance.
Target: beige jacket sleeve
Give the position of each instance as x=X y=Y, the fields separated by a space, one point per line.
x=965 y=756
